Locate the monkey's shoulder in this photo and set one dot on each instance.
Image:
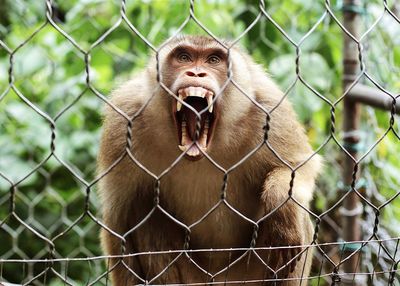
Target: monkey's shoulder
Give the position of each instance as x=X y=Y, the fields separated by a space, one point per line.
x=130 y=96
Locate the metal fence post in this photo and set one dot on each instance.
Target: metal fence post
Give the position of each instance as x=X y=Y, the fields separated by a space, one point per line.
x=351 y=66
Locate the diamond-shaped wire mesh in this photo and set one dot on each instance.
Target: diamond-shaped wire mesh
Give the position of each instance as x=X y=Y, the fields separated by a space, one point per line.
x=59 y=60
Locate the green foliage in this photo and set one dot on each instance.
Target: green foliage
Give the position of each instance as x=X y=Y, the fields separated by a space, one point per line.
x=49 y=71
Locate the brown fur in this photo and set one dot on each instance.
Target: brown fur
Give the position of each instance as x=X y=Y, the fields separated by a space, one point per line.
x=190 y=189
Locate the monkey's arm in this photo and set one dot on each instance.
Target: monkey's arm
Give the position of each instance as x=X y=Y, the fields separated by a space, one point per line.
x=118 y=194
x=118 y=185
x=286 y=223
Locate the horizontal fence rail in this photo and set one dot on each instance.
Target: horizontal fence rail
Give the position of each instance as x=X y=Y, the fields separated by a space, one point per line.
x=58 y=63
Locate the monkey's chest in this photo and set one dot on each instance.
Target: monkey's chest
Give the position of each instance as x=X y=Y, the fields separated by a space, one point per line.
x=217 y=212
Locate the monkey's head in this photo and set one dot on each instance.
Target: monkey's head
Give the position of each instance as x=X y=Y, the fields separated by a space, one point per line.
x=196 y=70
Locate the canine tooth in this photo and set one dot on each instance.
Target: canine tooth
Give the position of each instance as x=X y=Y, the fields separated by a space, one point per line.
x=182 y=148
x=178 y=103
x=209 y=102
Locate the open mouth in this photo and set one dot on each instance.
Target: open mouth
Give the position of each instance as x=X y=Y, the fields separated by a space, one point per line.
x=199 y=99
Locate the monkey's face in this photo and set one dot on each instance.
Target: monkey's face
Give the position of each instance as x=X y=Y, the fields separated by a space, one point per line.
x=196 y=75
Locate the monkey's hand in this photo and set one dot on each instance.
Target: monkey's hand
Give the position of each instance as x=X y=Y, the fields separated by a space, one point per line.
x=287 y=239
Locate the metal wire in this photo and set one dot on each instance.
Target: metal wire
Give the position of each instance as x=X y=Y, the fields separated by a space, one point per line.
x=48 y=263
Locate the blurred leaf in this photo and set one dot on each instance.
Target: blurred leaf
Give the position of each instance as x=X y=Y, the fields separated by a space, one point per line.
x=30 y=60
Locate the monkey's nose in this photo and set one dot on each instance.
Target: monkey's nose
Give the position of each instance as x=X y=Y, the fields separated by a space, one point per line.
x=195 y=74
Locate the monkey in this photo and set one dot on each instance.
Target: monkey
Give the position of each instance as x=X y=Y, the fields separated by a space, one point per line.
x=203 y=151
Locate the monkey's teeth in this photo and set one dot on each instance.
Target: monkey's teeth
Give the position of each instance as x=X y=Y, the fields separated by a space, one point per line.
x=185 y=140
x=178 y=103
x=187 y=145
x=206 y=127
x=183 y=129
x=209 y=102
x=193 y=151
x=196 y=91
x=190 y=91
x=183 y=148
x=203 y=138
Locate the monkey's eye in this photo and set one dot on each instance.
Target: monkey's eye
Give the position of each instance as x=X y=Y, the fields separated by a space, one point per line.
x=184 y=58
x=213 y=60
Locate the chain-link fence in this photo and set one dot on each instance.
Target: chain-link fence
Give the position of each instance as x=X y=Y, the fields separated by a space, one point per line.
x=59 y=61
